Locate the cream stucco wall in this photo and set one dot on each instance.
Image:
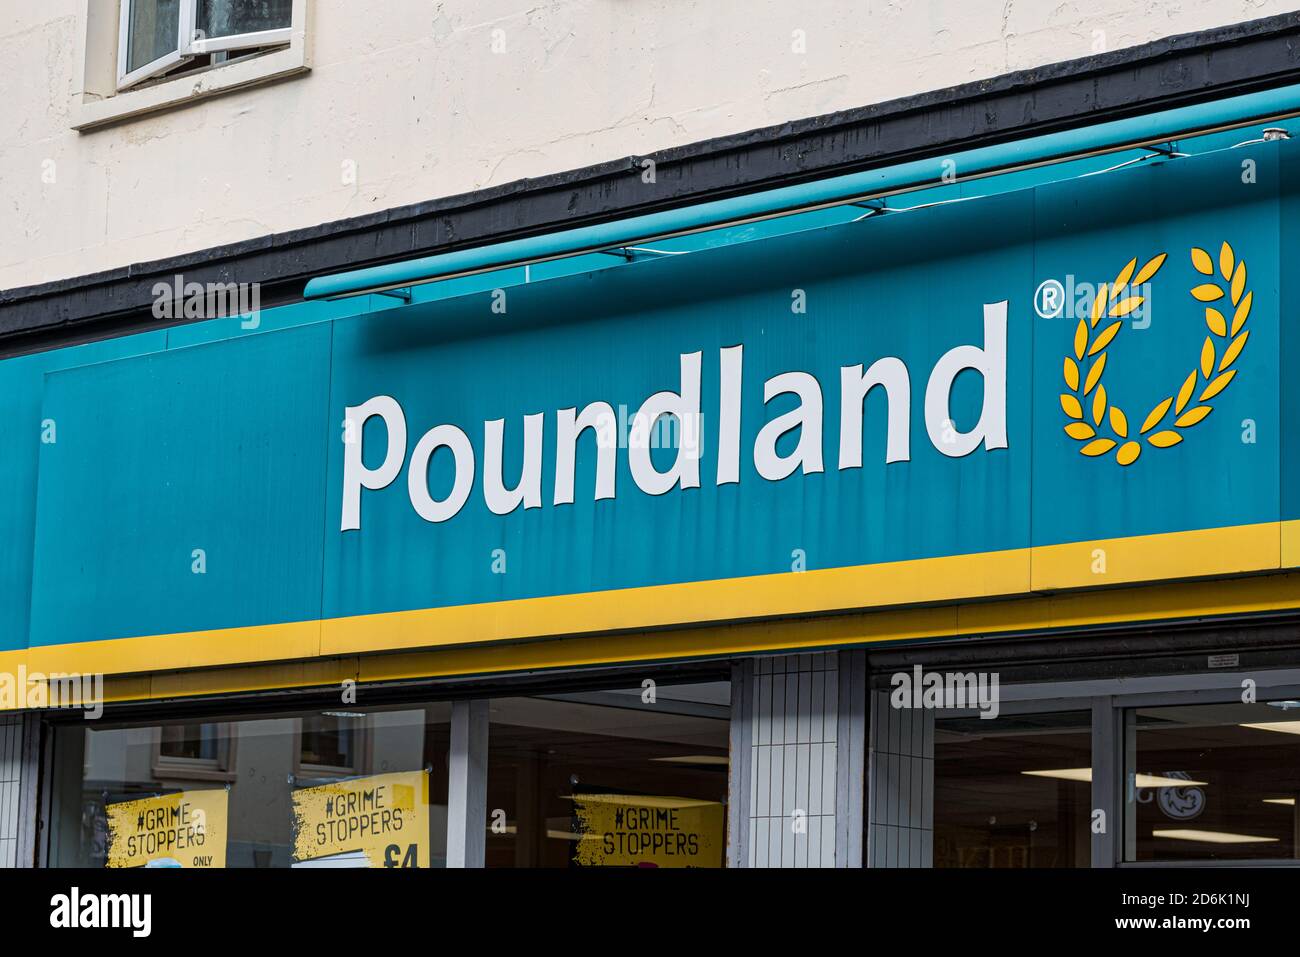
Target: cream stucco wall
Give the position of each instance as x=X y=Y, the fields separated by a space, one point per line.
x=412 y=94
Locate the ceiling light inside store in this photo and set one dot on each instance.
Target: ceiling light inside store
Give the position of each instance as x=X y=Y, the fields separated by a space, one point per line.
x=1143 y=780
x=637 y=800
x=1064 y=774
x=1213 y=837
x=1285 y=727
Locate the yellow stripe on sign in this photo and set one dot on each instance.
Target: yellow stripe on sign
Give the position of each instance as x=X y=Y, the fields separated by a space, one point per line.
x=1171 y=556
x=1044 y=588
x=195 y=649
x=1198 y=600
x=1291 y=544
x=956 y=578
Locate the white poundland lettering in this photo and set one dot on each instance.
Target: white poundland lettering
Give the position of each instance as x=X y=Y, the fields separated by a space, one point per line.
x=681 y=405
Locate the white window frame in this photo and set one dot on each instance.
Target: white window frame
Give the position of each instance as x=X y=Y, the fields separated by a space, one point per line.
x=164 y=62
x=188 y=43
x=239 y=41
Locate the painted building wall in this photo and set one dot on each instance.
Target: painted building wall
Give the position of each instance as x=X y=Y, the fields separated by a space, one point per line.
x=406 y=100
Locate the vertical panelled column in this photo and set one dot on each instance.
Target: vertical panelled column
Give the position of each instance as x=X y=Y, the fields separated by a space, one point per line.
x=19 y=736
x=11 y=766
x=1115 y=831
x=29 y=791
x=467 y=784
x=851 y=774
x=900 y=785
x=798 y=737
x=741 y=761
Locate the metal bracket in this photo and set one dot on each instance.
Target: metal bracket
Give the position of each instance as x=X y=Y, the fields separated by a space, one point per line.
x=634 y=253
x=1169 y=149
x=872 y=206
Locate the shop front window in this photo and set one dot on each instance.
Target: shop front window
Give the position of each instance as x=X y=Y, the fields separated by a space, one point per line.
x=1212 y=782
x=364 y=788
x=634 y=777
x=1013 y=791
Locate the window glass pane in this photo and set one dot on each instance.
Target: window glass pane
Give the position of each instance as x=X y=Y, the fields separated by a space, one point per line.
x=199 y=742
x=606 y=779
x=1013 y=791
x=377 y=799
x=329 y=741
x=153 y=30
x=224 y=18
x=1213 y=782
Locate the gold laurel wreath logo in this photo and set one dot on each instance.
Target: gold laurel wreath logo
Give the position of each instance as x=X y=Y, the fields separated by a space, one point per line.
x=1087 y=398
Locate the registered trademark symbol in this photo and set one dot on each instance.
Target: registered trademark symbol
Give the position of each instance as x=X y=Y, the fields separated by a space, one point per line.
x=1049 y=299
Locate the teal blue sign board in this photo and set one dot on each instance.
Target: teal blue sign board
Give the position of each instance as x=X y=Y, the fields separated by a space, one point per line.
x=190 y=487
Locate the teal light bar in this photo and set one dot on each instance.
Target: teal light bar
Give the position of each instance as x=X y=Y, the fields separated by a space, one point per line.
x=1245 y=110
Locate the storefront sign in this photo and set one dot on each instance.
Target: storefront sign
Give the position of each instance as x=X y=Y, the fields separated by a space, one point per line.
x=376 y=821
x=875 y=414
x=648 y=831
x=185 y=829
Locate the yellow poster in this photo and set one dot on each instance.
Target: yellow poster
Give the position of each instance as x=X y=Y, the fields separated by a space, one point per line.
x=185 y=829
x=376 y=821
x=621 y=830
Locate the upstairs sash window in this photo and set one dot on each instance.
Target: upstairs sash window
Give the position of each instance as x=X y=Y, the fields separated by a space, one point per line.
x=159 y=37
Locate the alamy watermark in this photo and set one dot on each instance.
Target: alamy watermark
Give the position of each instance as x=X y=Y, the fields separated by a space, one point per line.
x=133 y=912
x=214 y=300
x=921 y=689
x=25 y=689
x=1073 y=299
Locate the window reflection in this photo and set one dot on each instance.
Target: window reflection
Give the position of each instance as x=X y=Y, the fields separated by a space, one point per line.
x=1013 y=791
x=1213 y=782
x=608 y=779
x=154 y=28
x=194 y=742
x=356 y=789
x=331 y=743
x=223 y=18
